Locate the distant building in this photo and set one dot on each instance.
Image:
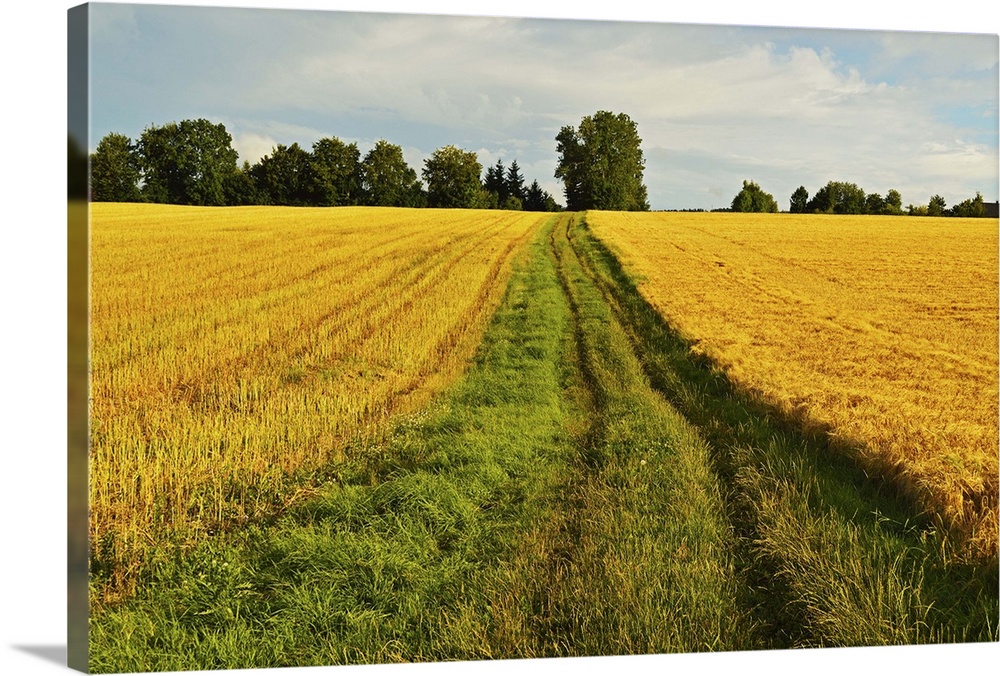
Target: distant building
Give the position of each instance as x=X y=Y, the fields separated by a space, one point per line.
x=992 y=209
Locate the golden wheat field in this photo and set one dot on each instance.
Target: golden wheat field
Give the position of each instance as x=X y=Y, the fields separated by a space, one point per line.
x=880 y=330
x=232 y=347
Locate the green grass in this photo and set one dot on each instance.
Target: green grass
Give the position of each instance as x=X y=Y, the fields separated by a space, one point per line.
x=586 y=489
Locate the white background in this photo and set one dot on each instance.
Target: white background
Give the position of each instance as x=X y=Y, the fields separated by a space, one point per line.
x=33 y=328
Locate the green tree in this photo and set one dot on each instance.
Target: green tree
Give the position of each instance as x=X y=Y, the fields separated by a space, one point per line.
x=752 y=199
x=387 y=180
x=452 y=177
x=536 y=199
x=514 y=183
x=893 y=203
x=240 y=188
x=874 y=204
x=114 y=170
x=186 y=163
x=495 y=183
x=838 y=197
x=335 y=173
x=937 y=206
x=601 y=164
x=970 y=208
x=284 y=178
x=799 y=200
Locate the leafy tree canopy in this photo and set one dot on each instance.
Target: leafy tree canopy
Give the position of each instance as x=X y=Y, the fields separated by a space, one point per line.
x=752 y=199
x=838 y=197
x=601 y=164
x=334 y=173
x=114 y=170
x=970 y=208
x=284 y=178
x=799 y=200
x=387 y=180
x=936 y=206
x=186 y=163
x=452 y=177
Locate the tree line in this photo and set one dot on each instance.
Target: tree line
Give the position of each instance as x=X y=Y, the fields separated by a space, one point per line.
x=193 y=163
x=838 y=197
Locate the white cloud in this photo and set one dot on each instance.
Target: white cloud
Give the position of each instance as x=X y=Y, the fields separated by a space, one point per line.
x=252 y=147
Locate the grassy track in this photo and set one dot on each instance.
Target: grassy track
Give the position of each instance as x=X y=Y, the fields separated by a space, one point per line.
x=585 y=489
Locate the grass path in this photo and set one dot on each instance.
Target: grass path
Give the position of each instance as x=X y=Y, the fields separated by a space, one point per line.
x=556 y=502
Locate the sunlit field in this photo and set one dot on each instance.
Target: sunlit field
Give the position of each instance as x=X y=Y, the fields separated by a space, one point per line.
x=880 y=331
x=234 y=349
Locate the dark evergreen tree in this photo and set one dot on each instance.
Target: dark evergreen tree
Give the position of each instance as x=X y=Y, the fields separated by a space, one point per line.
x=514 y=182
x=495 y=184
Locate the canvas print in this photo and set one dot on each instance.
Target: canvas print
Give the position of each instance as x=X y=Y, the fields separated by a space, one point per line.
x=414 y=338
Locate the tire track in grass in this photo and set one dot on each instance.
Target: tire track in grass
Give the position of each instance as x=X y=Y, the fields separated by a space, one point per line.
x=831 y=555
x=652 y=571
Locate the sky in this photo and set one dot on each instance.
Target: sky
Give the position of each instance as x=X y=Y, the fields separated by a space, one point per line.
x=713 y=104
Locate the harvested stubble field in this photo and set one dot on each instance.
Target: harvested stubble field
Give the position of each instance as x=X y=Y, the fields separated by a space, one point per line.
x=880 y=331
x=234 y=350
x=579 y=483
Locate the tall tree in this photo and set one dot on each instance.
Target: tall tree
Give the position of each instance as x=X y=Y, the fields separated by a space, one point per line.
x=387 y=180
x=452 y=177
x=752 y=199
x=284 y=177
x=495 y=183
x=893 y=203
x=601 y=164
x=335 y=173
x=114 y=170
x=186 y=163
x=936 y=206
x=799 y=200
x=514 y=182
